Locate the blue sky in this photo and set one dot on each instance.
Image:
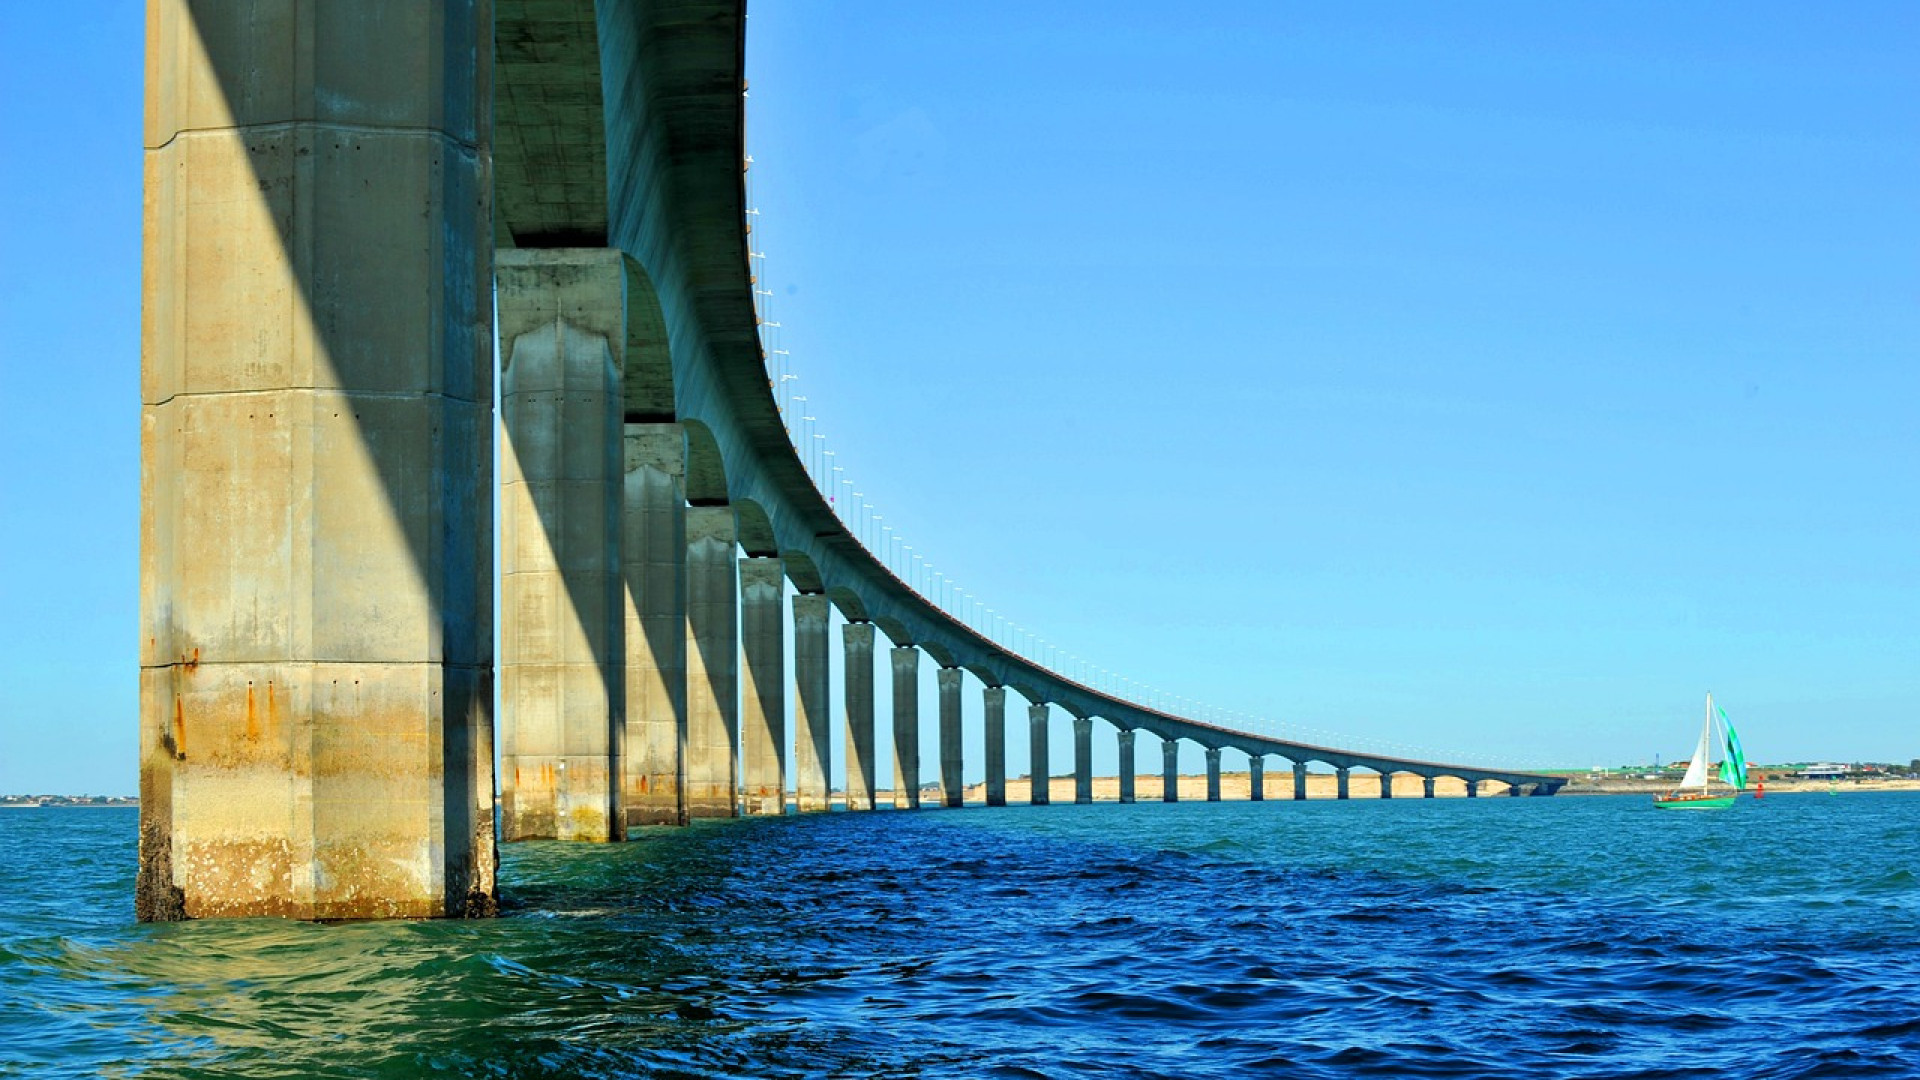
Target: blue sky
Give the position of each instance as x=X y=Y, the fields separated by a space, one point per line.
x=1484 y=379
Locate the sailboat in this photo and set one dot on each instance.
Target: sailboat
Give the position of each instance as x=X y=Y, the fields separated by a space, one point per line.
x=1696 y=790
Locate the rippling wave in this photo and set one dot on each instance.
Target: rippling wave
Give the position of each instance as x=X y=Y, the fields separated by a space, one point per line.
x=1564 y=937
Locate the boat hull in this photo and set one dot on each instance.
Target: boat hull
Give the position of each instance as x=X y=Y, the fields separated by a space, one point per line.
x=1697 y=802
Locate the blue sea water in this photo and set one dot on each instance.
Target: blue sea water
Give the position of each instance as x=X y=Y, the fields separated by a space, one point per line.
x=1565 y=937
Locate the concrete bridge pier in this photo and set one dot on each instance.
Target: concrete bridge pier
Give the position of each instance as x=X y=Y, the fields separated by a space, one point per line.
x=1386 y=785
x=1082 y=759
x=857 y=640
x=563 y=335
x=1513 y=789
x=1126 y=765
x=1169 y=769
x=1426 y=787
x=906 y=727
x=1473 y=789
x=763 y=684
x=316 y=584
x=1256 y=778
x=1213 y=774
x=812 y=718
x=653 y=556
x=713 y=664
x=994 y=704
x=1341 y=775
x=952 y=789
x=1037 y=718
x=1299 y=781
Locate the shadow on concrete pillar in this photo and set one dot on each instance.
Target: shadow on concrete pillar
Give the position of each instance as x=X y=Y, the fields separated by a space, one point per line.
x=1386 y=785
x=1169 y=769
x=763 y=684
x=653 y=554
x=857 y=641
x=1342 y=775
x=1473 y=789
x=1426 y=787
x=1213 y=774
x=1299 y=781
x=906 y=727
x=563 y=614
x=1040 y=790
x=813 y=722
x=1256 y=778
x=1126 y=764
x=316 y=654
x=1082 y=759
x=713 y=664
x=952 y=791
x=994 y=704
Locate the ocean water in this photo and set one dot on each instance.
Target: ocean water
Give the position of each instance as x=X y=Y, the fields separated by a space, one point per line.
x=1564 y=937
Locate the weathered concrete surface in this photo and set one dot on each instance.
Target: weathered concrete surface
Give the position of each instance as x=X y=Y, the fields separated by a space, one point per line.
x=994 y=704
x=906 y=727
x=952 y=791
x=316 y=587
x=1039 y=768
x=1169 y=770
x=562 y=320
x=713 y=665
x=1126 y=765
x=857 y=641
x=653 y=559
x=1256 y=779
x=1213 y=774
x=812 y=718
x=763 y=684
x=1082 y=759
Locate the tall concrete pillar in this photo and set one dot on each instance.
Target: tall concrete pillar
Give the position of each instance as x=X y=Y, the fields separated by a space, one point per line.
x=1039 y=792
x=1299 y=781
x=1213 y=774
x=316 y=657
x=812 y=722
x=1473 y=789
x=713 y=664
x=857 y=640
x=994 y=704
x=563 y=616
x=653 y=560
x=906 y=727
x=1126 y=765
x=1083 y=759
x=1386 y=785
x=763 y=685
x=1256 y=778
x=952 y=790
x=1426 y=787
x=1342 y=774
x=1169 y=769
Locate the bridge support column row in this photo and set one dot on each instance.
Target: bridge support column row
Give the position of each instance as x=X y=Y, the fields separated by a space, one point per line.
x=952 y=789
x=812 y=715
x=1126 y=765
x=1257 y=778
x=1082 y=759
x=1039 y=792
x=1169 y=770
x=994 y=704
x=906 y=727
x=316 y=647
x=1213 y=774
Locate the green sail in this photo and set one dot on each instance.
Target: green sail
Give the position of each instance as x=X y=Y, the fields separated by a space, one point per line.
x=1733 y=770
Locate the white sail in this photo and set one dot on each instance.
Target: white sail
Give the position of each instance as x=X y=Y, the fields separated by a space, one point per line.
x=1697 y=768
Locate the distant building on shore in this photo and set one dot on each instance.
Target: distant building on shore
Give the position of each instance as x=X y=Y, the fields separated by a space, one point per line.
x=1826 y=771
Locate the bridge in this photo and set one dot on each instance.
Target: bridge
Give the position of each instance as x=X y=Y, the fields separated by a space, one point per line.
x=340 y=198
